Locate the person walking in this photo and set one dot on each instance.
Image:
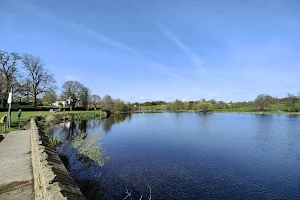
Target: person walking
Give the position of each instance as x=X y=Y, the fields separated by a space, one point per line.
x=19 y=114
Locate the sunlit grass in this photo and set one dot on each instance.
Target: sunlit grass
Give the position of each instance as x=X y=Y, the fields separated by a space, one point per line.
x=27 y=115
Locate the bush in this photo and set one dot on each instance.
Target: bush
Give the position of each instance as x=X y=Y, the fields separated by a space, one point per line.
x=79 y=108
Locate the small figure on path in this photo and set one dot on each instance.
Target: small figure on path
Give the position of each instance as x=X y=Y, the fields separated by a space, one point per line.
x=3 y=121
x=19 y=114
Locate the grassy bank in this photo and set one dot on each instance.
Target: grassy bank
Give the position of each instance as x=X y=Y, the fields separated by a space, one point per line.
x=152 y=108
x=271 y=109
x=55 y=117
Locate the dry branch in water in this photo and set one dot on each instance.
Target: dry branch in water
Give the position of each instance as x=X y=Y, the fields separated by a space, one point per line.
x=129 y=194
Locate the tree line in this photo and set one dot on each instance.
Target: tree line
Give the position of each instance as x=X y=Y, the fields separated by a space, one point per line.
x=31 y=82
x=25 y=75
x=260 y=103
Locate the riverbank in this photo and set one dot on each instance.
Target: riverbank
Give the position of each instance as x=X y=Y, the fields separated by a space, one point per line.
x=258 y=112
x=270 y=109
x=222 y=111
x=54 y=117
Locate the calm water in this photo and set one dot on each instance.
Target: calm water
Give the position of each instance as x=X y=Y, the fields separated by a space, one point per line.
x=191 y=156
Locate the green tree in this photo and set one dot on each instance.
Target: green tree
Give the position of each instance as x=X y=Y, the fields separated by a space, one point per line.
x=188 y=105
x=117 y=105
x=177 y=105
x=204 y=106
x=50 y=97
x=291 y=102
x=213 y=101
x=84 y=97
x=120 y=106
x=74 y=91
x=261 y=101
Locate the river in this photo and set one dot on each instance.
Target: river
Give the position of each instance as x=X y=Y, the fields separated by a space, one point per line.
x=186 y=156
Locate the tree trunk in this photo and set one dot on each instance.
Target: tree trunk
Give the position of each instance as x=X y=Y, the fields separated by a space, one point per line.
x=34 y=100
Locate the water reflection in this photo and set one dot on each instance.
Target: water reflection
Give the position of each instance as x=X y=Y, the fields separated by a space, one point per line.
x=212 y=156
x=81 y=150
x=294 y=117
x=82 y=156
x=68 y=130
x=114 y=119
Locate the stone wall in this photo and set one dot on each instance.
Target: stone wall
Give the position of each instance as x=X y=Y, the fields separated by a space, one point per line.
x=51 y=179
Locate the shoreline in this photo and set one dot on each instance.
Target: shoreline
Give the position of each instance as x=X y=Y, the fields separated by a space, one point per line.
x=211 y=112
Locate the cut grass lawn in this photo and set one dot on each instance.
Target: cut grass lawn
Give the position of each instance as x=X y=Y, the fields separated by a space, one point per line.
x=26 y=116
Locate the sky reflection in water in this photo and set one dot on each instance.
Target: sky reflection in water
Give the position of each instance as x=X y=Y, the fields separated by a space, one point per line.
x=193 y=156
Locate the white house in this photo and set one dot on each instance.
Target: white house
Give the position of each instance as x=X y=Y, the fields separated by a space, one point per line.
x=66 y=103
x=57 y=103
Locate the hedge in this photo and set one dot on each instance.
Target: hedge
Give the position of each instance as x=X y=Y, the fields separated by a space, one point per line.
x=44 y=108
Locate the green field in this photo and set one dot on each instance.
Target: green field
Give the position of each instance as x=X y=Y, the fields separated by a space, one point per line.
x=24 y=117
x=273 y=108
x=27 y=115
x=154 y=107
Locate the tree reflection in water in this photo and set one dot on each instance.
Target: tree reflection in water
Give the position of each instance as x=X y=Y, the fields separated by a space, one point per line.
x=114 y=119
x=82 y=154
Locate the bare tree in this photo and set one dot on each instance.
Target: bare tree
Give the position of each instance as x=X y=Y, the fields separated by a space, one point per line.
x=94 y=100
x=8 y=73
x=39 y=78
x=24 y=90
x=107 y=102
x=2 y=88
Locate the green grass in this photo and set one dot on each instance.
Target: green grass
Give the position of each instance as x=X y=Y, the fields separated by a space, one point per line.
x=154 y=107
x=273 y=108
x=244 y=109
x=27 y=115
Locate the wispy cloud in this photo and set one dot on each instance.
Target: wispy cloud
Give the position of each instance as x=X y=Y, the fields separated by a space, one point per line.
x=81 y=28
x=192 y=56
x=69 y=77
x=144 y=98
x=166 y=70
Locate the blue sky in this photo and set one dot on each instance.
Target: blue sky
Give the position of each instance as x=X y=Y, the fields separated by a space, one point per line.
x=161 y=49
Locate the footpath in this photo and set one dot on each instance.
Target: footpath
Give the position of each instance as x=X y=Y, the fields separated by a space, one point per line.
x=16 y=176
